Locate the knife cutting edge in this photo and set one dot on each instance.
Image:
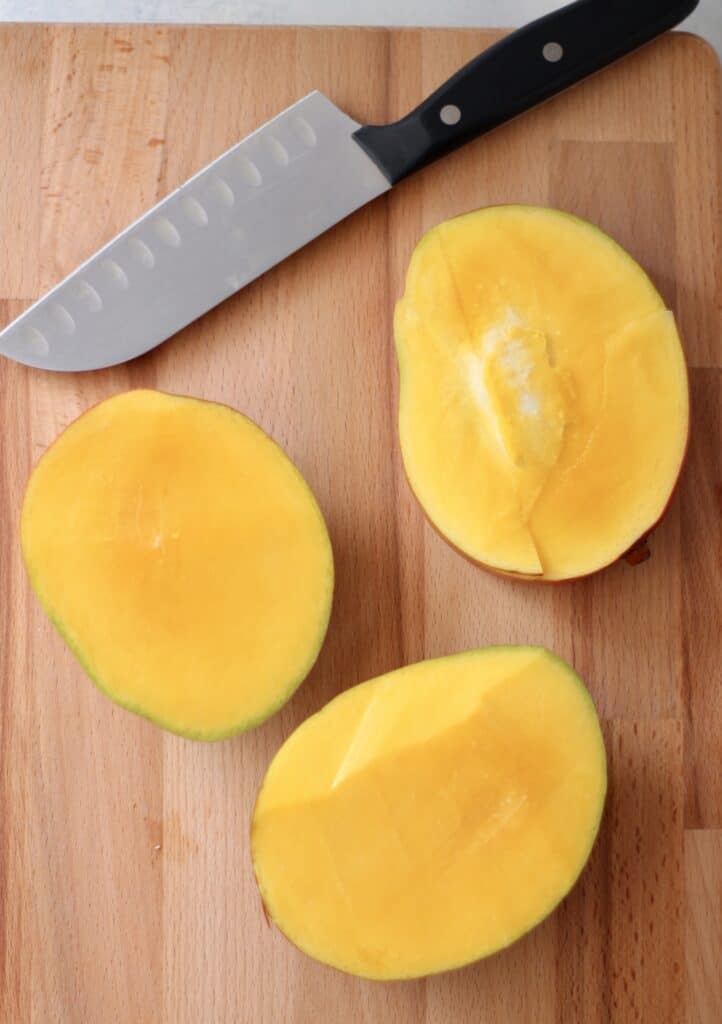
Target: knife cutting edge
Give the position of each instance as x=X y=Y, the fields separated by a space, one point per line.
x=297 y=176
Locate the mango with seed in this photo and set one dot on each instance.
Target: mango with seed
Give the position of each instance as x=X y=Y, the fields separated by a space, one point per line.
x=544 y=405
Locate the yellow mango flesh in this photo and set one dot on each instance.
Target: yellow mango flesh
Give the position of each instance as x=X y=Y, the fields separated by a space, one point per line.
x=544 y=400
x=429 y=817
x=183 y=558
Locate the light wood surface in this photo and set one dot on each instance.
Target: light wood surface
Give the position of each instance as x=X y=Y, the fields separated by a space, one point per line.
x=126 y=890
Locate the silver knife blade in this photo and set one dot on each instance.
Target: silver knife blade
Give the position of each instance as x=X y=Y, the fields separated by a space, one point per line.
x=279 y=188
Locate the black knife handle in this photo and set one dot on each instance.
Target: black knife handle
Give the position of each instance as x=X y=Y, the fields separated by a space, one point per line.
x=521 y=70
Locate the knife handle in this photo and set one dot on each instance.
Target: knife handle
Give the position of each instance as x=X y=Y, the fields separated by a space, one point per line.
x=521 y=70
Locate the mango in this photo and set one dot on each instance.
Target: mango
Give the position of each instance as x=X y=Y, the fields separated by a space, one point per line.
x=432 y=816
x=544 y=410
x=183 y=558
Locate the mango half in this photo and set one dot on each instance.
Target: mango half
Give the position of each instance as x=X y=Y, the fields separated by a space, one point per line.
x=184 y=559
x=429 y=817
x=543 y=410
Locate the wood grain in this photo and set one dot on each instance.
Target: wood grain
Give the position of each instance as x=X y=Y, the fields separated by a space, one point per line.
x=703 y=936
x=126 y=892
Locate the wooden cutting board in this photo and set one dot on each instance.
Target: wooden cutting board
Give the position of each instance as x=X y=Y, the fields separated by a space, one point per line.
x=126 y=890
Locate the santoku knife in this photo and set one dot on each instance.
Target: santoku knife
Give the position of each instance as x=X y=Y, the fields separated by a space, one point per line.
x=296 y=177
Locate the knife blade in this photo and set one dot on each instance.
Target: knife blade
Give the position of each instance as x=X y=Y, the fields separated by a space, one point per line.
x=294 y=178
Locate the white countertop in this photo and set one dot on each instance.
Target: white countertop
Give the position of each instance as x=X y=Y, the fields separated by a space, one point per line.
x=706 y=21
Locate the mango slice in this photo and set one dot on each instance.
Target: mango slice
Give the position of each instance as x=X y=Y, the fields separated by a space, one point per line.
x=543 y=407
x=429 y=817
x=183 y=558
